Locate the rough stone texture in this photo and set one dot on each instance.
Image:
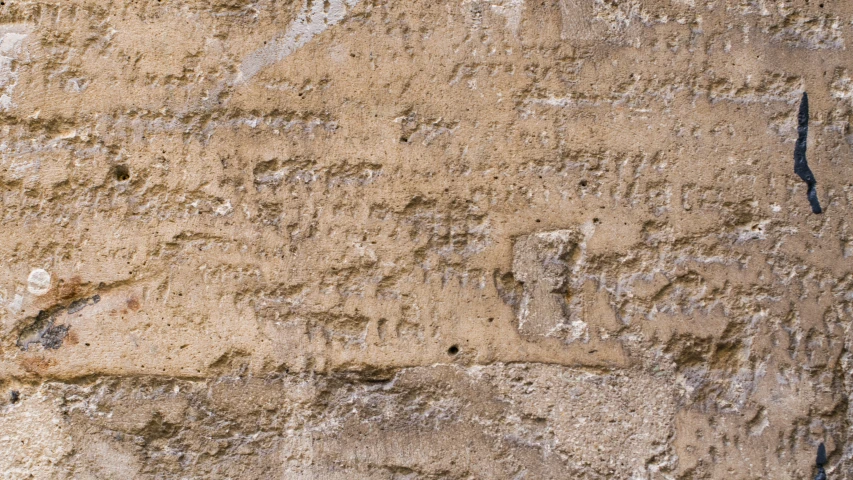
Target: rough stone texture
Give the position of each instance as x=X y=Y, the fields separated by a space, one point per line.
x=425 y=239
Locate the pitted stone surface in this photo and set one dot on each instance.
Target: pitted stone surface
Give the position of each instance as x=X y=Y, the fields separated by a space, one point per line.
x=447 y=239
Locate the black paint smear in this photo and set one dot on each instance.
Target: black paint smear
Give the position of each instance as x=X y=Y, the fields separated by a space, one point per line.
x=801 y=166
x=821 y=456
x=821 y=461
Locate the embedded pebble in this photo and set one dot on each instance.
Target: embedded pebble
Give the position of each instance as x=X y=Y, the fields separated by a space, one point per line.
x=38 y=283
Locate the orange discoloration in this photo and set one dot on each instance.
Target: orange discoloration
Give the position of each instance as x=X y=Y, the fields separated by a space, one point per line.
x=70 y=289
x=71 y=338
x=133 y=304
x=64 y=292
x=38 y=365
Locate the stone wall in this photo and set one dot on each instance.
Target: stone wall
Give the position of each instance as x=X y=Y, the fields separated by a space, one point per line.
x=459 y=239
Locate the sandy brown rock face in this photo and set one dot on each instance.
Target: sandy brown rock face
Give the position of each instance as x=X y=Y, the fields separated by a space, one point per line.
x=468 y=239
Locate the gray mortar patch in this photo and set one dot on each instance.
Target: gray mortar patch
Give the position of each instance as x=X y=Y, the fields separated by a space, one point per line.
x=78 y=305
x=43 y=329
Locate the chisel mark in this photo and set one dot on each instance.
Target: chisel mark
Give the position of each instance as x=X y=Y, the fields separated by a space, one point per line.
x=801 y=166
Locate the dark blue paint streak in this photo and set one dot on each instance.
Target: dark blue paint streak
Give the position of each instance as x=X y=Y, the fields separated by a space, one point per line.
x=801 y=166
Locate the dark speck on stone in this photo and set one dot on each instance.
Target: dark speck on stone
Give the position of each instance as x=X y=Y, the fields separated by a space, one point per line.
x=14 y=396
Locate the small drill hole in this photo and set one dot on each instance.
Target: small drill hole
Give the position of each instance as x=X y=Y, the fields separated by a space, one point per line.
x=122 y=173
x=453 y=350
x=583 y=183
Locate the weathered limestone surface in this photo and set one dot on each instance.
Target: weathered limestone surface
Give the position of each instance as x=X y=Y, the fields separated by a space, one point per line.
x=464 y=239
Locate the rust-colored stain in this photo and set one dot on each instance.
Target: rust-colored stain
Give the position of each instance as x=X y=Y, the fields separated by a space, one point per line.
x=71 y=338
x=65 y=291
x=37 y=364
x=133 y=304
x=70 y=289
